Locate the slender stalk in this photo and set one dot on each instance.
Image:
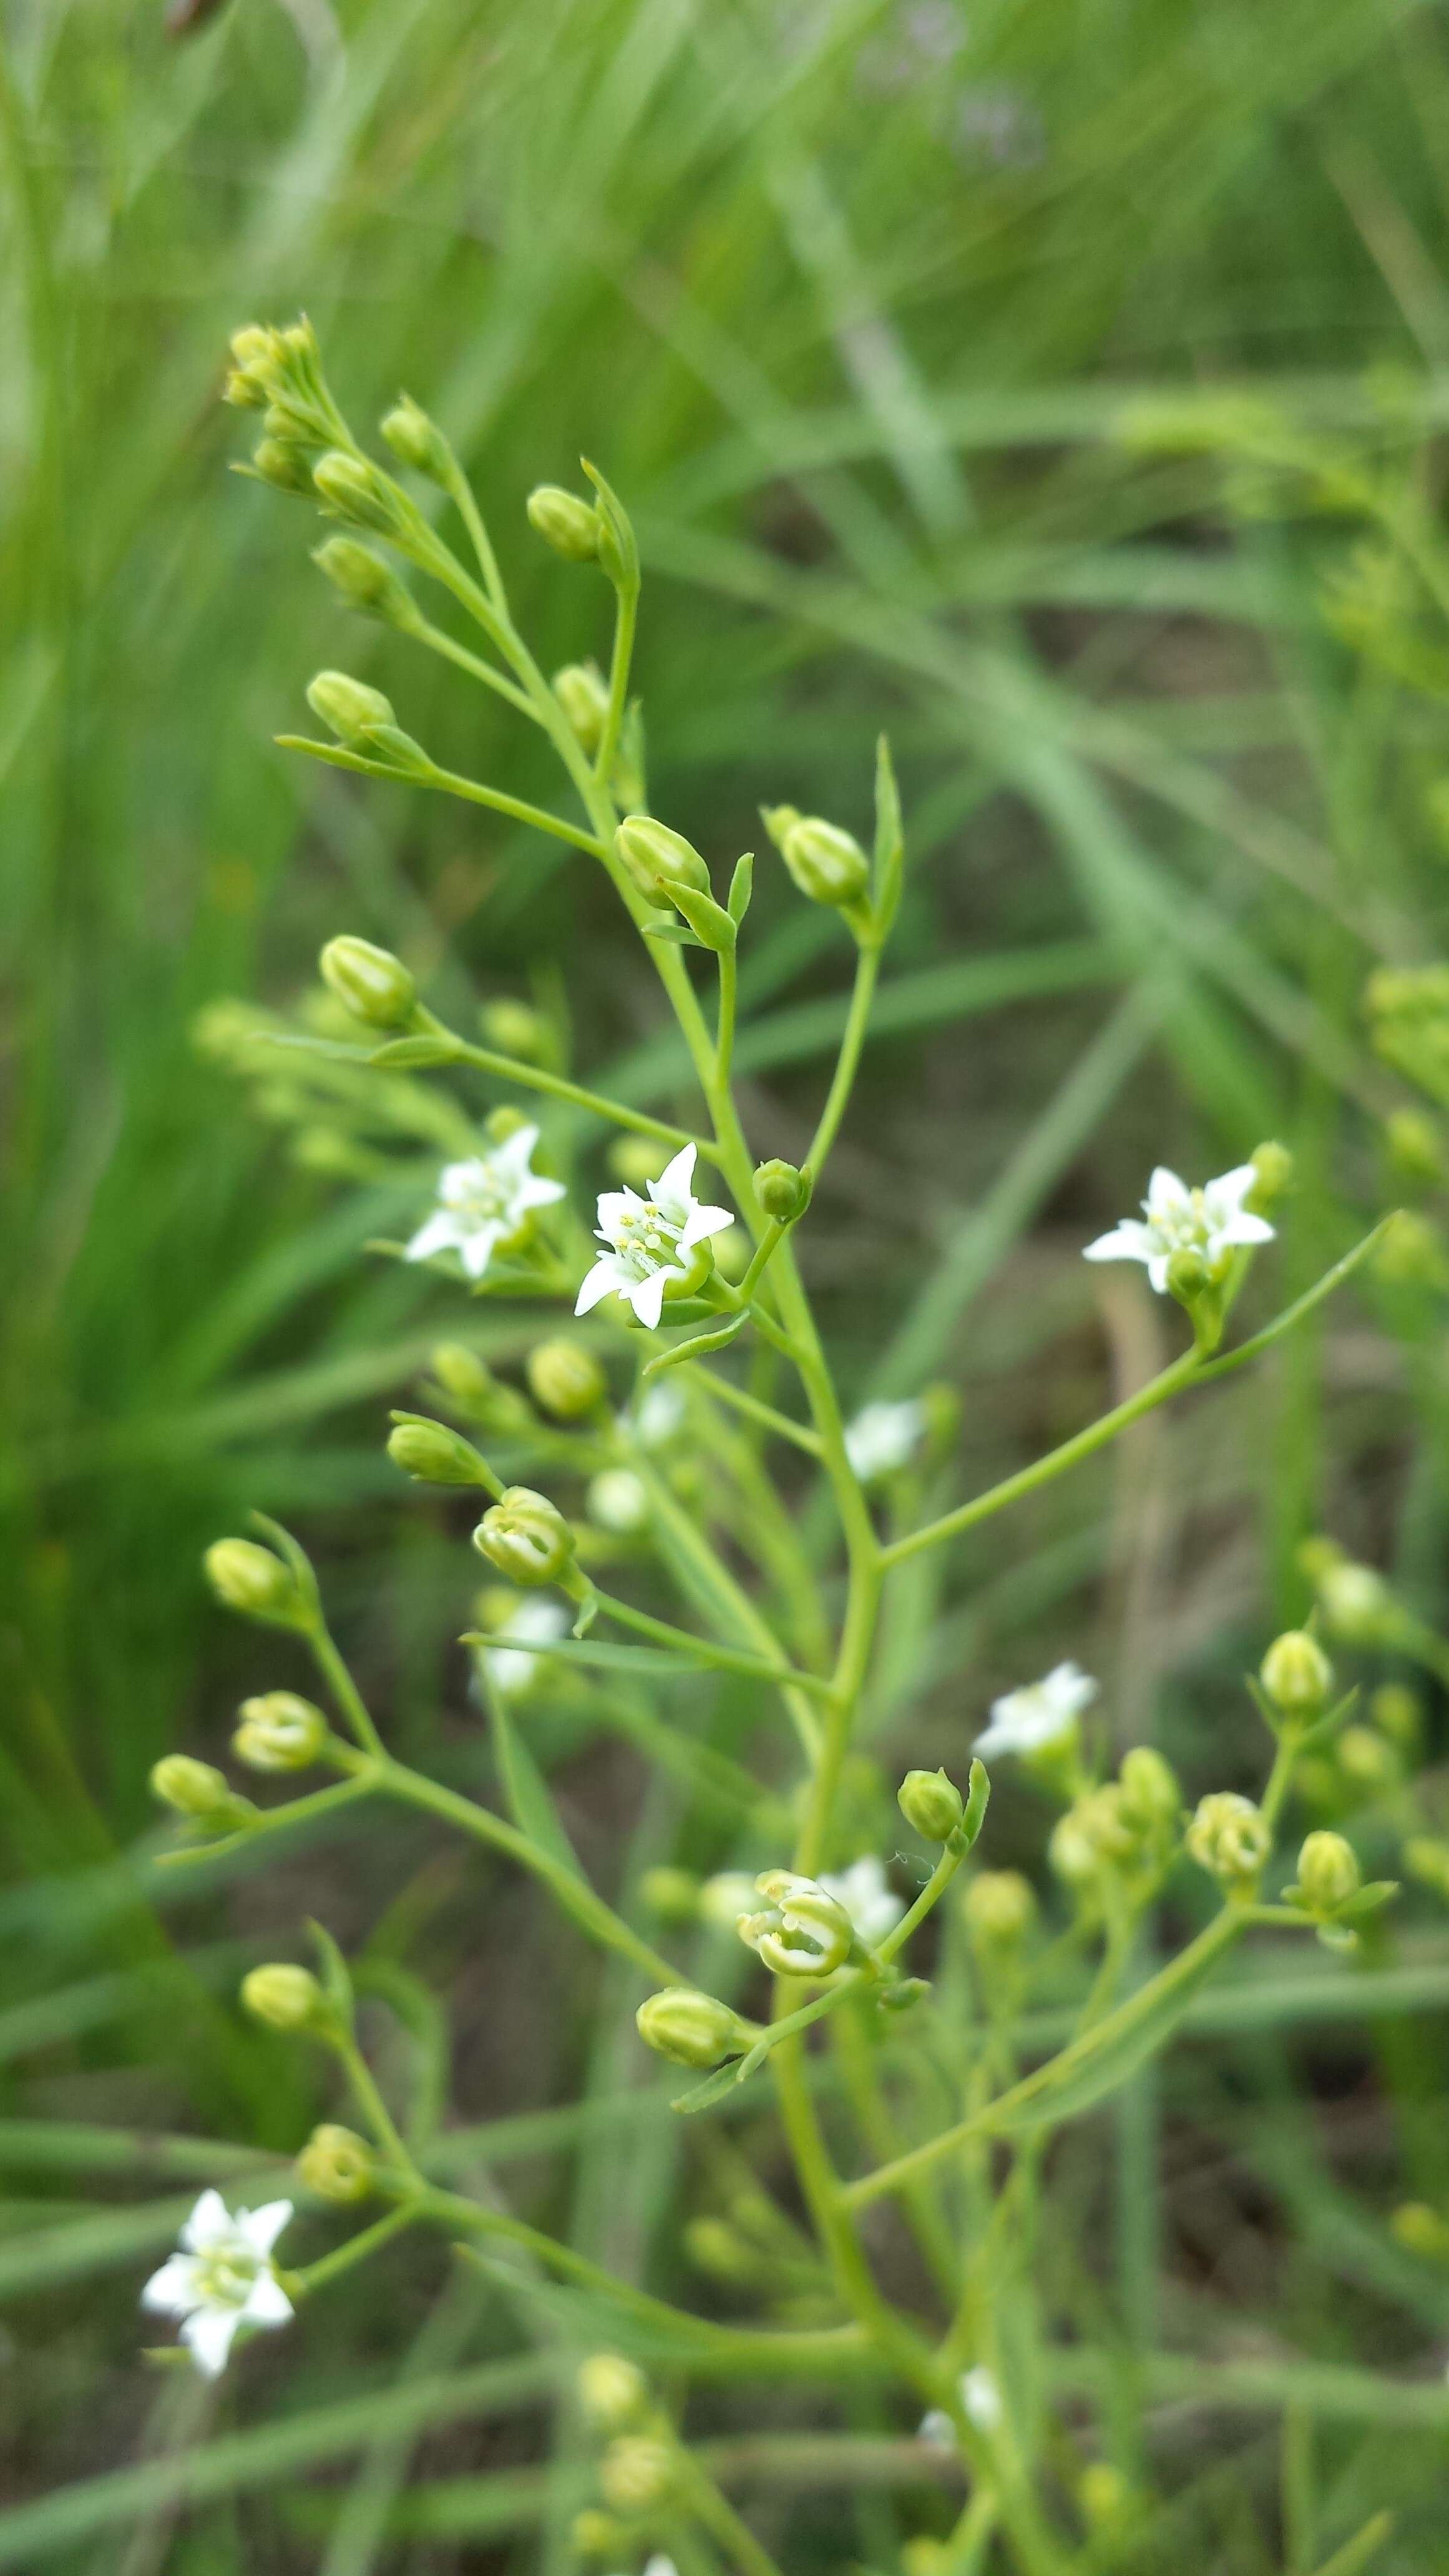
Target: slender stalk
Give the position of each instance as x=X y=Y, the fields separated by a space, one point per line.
x=556 y=1086
x=438 y=640
x=328 y=2267
x=847 y=1062
x=343 y=1688
x=706 y=1650
x=625 y=614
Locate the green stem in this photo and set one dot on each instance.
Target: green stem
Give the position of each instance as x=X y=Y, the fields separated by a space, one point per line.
x=460 y=491
x=847 y=1062
x=756 y=1411
x=438 y=640
x=625 y=614
x=447 y=782
x=373 y=2108
x=314 y=2276
x=533 y=1077
x=931 y=1894
x=343 y=1688
x=707 y=1651
x=724 y=1044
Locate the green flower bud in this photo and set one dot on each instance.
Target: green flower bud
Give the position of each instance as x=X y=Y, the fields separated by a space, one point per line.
x=196 y=1790
x=526 y=1537
x=460 y=1372
x=374 y=985
x=1357 y=1604
x=1072 y=1853
x=690 y=2028
x=511 y=1028
x=637 y=2473
x=570 y=525
x=1427 y=1859
x=432 y=1454
x=617 y=1500
x=611 y=2391
x=1367 y=1762
x=1415 y=1148
x=251 y=1580
x=801 y=1931
x=634 y=1160
x=716 y=2249
x=358 y=491
x=1296 y=1675
x=1151 y=1798
x=348 y=705
x=566 y=1379
x=417 y=441
x=279 y=1732
x=583 y=695
x=1411 y=1253
x=1105 y=1819
x=1274 y=1166
x=285 y=1998
x=998 y=1907
x=826 y=863
x=1395 y=1710
x=337 y=2165
x=657 y=858
x=931 y=1804
x=1188 y=1276
x=671 y=1895
x=1328 y=1873
x=1421 y=2231
x=783 y=1191
x=1229 y=1836
x=366 y=582
x=285 y=467
x=257 y=348
x=1104 y=2495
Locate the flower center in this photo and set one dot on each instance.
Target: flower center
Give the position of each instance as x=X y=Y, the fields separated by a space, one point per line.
x=484 y=1200
x=227 y=2277
x=647 y=1239
x=1185 y=1228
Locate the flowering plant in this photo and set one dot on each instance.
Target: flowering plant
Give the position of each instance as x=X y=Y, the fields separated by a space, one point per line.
x=927 y=2096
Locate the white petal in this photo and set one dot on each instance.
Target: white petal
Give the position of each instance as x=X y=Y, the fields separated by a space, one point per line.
x=267 y=2302
x=614 y=1206
x=1129 y=1241
x=439 y=1234
x=459 y=1180
x=1245 y=1228
x=476 y=1250
x=534 y=1191
x=1230 y=1188
x=261 y=2227
x=1157 y=1270
x=646 y=1296
x=209 y=2222
x=702 y=1222
x=515 y=1153
x=674 y=1188
x=209 y=2333
x=1166 y=1195
x=172 y=2291
x=605 y=1279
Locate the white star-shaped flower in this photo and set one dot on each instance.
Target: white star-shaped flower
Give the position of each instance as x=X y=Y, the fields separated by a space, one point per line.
x=1212 y=1221
x=222 y=2277
x=1023 y=1721
x=484 y=1205
x=649 y=1240
x=867 y=1896
x=509 y=1665
x=884 y=1437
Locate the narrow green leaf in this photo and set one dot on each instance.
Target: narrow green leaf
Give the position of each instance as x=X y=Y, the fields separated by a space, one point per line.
x=742 y=886
x=701 y=1344
x=676 y=932
x=528 y=1797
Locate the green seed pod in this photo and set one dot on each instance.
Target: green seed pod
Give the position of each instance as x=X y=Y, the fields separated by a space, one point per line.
x=358 y=491
x=570 y=525
x=690 y=2028
x=657 y=858
x=1328 y=1872
x=998 y=1907
x=366 y=582
x=432 y=1454
x=638 y=2473
x=612 y=2392
x=417 y=441
x=526 y=1537
x=582 y=693
x=348 y=706
x=1296 y=1675
x=1151 y=1798
x=1229 y=1836
x=373 y=984
x=196 y=1790
x=285 y=1998
x=782 y=1189
x=566 y=1379
x=337 y=2165
x=931 y=1804
x=827 y=864
x=251 y=1580
x=279 y=1732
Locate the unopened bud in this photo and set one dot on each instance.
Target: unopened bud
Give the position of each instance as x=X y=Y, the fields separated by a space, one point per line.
x=285 y=467
x=1395 y=1710
x=1274 y=1166
x=251 y=1580
x=1229 y=1836
x=285 y=1998
x=366 y=582
x=373 y=984
x=998 y=1908
x=349 y=706
x=512 y=1028
x=337 y=2165
x=671 y=1895
x=566 y=1379
x=827 y=864
x=1296 y=1675
x=196 y=1790
x=657 y=858
x=691 y=2028
x=1427 y=1859
x=611 y=2391
x=526 y=1537
x=357 y=491
x=1357 y=1603
x=617 y=1500
x=570 y=525
x=598 y=2535
x=1415 y=1147
x=783 y=1190
x=417 y=441
x=279 y=1731
x=582 y=693
x=1421 y=2231
x=1104 y=2495
x=1367 y=1761
x=432 y=1454
x=1188 y=1276
x=1151 y=1798
x=637 y=2472
x=931 y=1804
x=1328 y=1872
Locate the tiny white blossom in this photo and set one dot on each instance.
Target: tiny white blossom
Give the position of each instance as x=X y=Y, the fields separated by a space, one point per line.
x=884 y=1437
x=936 y=2430
x=1023 y=1721
x=867 y=1896
x=484 y=1205
x=222 y=2277
x=658 y=1415
x=649 y=1240
x=1174 y=1218
x=507 y=1662
x=981 y=2397
x=618 y=1500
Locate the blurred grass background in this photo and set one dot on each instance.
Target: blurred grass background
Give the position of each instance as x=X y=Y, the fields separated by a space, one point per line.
x=848 y=302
